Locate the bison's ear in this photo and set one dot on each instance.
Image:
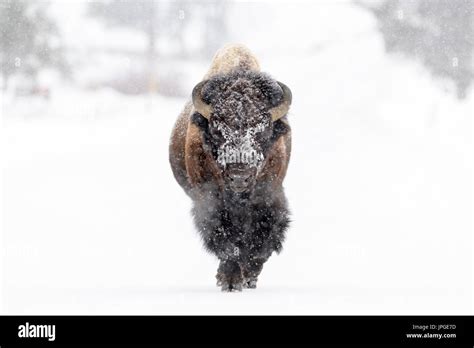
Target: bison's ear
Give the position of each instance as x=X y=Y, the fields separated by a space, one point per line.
x=199 y=105
x=282 y=109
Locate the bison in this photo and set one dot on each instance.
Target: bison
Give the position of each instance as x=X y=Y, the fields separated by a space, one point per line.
x=229 y=151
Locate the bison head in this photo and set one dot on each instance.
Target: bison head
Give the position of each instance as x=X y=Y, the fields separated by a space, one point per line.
x=239 y=113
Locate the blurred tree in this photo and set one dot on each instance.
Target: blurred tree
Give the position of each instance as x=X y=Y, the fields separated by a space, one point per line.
x=139 y=15
x=437 y=32
x=179 y=14
x=29 y=40
x=167 y=21
x=215 y=20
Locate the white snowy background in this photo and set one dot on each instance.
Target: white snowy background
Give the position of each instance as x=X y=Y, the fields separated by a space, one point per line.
x=379 y=184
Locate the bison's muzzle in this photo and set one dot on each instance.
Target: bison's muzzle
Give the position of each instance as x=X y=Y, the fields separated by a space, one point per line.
x=240 y=178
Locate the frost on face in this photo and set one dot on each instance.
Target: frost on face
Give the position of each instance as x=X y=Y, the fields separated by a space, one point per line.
x=239 y=149
x=240 y=124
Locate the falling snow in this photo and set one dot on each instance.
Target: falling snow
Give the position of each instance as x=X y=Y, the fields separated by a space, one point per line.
x=379 y=184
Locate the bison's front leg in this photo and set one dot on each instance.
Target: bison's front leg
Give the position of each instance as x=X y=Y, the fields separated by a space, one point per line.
x=229 y=275
x=265 y=237
x=251 y=270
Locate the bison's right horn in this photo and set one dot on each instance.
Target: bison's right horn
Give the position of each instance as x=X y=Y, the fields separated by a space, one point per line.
x=199 y=104
x=281 y=110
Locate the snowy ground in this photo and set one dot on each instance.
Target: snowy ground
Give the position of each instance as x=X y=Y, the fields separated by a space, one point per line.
x=380 y=186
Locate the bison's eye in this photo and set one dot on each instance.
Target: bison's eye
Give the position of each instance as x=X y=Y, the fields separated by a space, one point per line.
x=259 y=136
x=220 y=130
x=215 y=132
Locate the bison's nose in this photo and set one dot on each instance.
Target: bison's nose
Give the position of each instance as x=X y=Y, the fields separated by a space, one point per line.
x=239 y=181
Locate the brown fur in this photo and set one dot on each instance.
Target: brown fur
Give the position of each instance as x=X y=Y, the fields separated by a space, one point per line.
x=189 y=162
x=252 y=221
x=230 y=57
x=277 y=162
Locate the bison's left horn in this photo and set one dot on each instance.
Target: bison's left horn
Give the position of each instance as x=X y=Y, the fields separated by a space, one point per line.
x=282 y=109
x=199 y=104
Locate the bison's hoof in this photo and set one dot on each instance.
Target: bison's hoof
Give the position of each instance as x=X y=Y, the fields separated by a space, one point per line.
x=251 y=284
x=229 y=282
x=226 y=287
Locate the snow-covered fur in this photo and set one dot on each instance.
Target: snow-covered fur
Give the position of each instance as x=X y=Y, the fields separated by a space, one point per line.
x=242 y=224
x=230 y=57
